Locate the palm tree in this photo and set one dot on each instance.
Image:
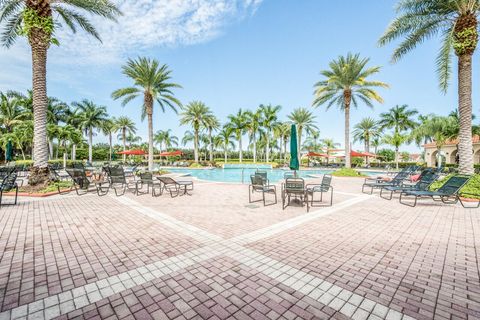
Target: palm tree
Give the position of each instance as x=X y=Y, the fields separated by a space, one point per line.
x=165 y=138
x=346 y=84
x=211 y=124
x=395 y=140
x=224 y=139
x=457 y=23
x=364 y=131
x=91 y=117
x=126 y=127
x=270 y=120
x=329 y=145
x=254 y=119
x=152 y=81
x=109 y=127
x=195 y=114
x=238 y=124
x=282 y=132
x=11 y=112
x=305 y=120
x=38 y=20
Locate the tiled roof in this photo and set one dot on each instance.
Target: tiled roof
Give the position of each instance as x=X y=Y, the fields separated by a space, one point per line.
x=476 y=139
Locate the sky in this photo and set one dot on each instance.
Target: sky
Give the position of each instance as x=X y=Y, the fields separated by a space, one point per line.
x=234 y=54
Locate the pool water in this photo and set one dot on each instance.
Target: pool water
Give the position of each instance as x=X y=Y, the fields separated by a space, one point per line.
x=235 y=174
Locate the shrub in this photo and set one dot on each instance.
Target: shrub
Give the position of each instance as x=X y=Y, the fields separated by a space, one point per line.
x=347 y=173
x=195 y=165
x=470 y=190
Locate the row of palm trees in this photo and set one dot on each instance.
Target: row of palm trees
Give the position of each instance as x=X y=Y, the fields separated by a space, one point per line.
x=345 y=84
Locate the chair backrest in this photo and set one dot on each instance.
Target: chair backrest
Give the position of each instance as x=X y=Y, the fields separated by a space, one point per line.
x=289 y=174
x=454 y=184
x=262 y=174
x=8 y=182
x=146 y=177
x=294 y=185
x=116 y=175
x=79 y=177
x=327 y=180
x=167 y=180
x=402 y=175
x=5 y=171
x=427 y=177
x=257 y=180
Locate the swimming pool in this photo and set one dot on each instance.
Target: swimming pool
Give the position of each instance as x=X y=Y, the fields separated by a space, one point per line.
x=235 y=174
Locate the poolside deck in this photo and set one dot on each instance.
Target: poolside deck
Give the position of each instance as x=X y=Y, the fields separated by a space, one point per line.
x=213 y=255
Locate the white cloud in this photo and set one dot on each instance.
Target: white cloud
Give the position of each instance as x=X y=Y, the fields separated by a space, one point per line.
x=152 y=23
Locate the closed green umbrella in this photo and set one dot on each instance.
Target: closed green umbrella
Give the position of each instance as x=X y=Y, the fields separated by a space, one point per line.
x=9 y=152
x=294 y=163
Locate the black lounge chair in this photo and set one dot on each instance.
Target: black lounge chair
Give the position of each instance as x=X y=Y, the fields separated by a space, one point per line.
x=175 y=187
x=260 y=184
x=427 y=177
x=396 y=181
x=448 y=193
x=83 y=185
x=294 y=187
x=146 y=179
x=118 y=181
x=321 y=188
x=9 y=184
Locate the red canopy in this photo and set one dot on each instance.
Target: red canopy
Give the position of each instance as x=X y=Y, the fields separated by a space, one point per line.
x=360 y=154
x=171 y=153
x=314 y=154
x=134 y=152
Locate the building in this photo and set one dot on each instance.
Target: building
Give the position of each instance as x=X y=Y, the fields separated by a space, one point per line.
x=449 y=152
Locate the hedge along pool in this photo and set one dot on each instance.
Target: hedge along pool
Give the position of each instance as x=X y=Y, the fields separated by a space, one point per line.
x=234 y=174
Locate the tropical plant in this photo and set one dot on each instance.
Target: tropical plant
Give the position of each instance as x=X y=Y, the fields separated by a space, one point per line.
x=346 y=84
x=211 y=123
x=395 y=140
x=312 y=142
x=329 y=145
x=152 y=81
x=398 y=118
x=270 y=120
x=37 y=21
x=195 y=114
x=282 y=132
x=238 y=124
x=126 y=127
x=91 y=117
x=364 y=131
x=165 y=138
x=11 y=112
x=254 y=119
x=225 y=140
x=457 y=23
x=109 y=127
x=304 y=120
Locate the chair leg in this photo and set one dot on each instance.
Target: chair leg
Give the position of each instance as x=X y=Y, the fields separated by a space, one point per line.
x=386 y=198
x=406 y=203
x=16 y=194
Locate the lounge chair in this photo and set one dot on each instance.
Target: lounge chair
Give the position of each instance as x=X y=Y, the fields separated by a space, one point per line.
x=321 y=188
x=448 y=193
x=396 y=181
x=146 y=178
x=427 y=177
x=175 y=187
x=9 y=184
x=294 y=187
x=83 y=185
x=263 y=186
x=118 y=181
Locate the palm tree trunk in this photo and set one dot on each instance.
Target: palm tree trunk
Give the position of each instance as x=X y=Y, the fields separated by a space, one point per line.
x=225 y=153
x=90 y=144
x=39 y=172
x=465 y=144
x=396 y=158
x=267 y=155
x=124 y=140
x=150 y=141
x=111 y=147
x=240 y=148
x=195 y=145
x=348 y=161
x=299 y=147
x=74 y=152
x=254 y=148
x=50 y=148
x=211 y=144
x=284 y=150
x=367 y=149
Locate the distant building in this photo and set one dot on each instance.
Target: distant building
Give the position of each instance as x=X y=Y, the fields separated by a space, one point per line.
x=449 y=151
x=415 y=157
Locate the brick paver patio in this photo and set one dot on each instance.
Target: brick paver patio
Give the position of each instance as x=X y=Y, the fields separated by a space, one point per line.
x=213 y=255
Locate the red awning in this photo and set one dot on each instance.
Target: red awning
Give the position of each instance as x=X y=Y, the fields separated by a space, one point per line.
x=134 y=152
x=314 y=154
x=359 y=154
x=171 y=153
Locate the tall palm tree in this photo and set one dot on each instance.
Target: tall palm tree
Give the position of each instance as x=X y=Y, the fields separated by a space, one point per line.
x=151 y=80
x=225 y=140
x=38 y=20
x=126 y=126
x=270 y=120
x=329 y=145
x=196 y=114
x=364 y=131
x=282 y=132
x=457 y=23
x=91 y=117
x=346 y=84
x=305 y=120
x=312 y=142
x=109 y=127
x=400 y=119
x=238 y=124
x=165 y=138
x=211 y=123
x=11 y=112
x=254 y=121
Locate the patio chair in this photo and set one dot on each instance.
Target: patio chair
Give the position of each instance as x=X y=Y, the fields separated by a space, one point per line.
x=324 y=187
x=9 y=184
x=376 y=183
x=448 y=193
x=83 y=185
x=426 y=179
x=175 y=187
x=294 y=187
x=146 y=178
x=261 y=185
x=118 y=181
